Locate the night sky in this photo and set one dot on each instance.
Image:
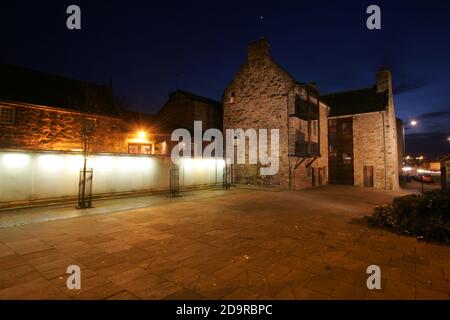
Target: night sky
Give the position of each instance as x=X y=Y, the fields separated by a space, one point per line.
x=149 y=48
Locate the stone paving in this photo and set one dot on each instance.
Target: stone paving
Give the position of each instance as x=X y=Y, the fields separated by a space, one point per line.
x=240 y=244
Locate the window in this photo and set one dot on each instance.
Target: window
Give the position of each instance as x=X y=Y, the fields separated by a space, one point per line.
x=140 y=148
x=232 y=97
x=7 y=115
x=346 y=158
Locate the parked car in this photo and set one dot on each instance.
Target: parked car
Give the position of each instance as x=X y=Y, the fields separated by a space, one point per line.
x=426 y=178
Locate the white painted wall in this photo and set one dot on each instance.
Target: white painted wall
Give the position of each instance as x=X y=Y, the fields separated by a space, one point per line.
x=42 y=175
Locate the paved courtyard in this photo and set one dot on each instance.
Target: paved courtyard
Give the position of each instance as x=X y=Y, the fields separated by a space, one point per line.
x=238 y=244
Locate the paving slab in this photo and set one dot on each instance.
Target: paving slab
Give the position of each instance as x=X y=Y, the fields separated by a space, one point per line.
x=216 y=244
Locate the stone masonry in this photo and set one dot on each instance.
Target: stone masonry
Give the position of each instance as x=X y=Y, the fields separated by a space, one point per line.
x=262 y=96
x=375 y=141
x=45 y=128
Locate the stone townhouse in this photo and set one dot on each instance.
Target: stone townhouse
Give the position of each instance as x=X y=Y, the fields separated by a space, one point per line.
x=263 y=95
x=365 y=137
x=343 y=138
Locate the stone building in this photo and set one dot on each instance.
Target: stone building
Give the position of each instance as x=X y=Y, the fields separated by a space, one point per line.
x=47 y=112
x=364 y=143
x=180 y=111
x=343 y=138
x=263 y=95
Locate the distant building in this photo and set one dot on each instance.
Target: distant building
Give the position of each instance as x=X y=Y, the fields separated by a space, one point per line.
x=41 y=111
x=180 y=111
x=48 y=112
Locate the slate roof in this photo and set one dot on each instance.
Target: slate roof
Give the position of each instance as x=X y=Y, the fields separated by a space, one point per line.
x=195 y=97
x=19 y=84
x=355 y=102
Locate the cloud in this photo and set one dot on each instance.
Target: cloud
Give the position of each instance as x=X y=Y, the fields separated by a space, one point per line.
x=433 y=121
x=410 y=86
x=435 y=114
x=430 y=144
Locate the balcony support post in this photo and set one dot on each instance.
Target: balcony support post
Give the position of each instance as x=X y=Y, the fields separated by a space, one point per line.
x=311 y=162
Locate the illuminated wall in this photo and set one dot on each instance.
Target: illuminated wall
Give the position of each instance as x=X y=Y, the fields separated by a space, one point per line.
x=42 y=175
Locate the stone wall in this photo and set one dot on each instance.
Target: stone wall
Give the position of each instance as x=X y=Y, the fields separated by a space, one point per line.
x=368 y=148
x=257 y=98
x=262 y=96
x=384 y=84
x=41 y=128
x=183 y=108
x=376 y=141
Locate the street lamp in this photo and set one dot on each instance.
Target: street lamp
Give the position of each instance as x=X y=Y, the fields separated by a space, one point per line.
x=413 y=123
x=141 y=135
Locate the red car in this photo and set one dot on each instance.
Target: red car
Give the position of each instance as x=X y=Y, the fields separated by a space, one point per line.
x=426 y=178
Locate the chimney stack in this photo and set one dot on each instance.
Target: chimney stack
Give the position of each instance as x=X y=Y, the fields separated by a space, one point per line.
x=384 y=80
x=258 y=51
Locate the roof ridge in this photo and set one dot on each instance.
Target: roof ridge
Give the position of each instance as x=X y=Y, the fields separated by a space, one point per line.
x=194 y=95
x=349 y=91
x=52 y=74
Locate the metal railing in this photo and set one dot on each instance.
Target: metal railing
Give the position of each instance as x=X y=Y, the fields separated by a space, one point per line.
x=307 y=149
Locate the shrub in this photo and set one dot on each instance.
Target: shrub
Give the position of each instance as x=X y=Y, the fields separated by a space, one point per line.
x=426 y=215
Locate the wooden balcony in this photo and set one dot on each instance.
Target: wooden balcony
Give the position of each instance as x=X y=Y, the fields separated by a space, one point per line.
x=307 y=149
x=306 y=110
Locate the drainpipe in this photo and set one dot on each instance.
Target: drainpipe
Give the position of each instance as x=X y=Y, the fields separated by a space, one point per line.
x=384 y=145
x=288 y=141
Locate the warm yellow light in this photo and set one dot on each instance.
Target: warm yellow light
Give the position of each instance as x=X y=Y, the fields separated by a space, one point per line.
x=142 y=135
x=16 y=160
x=50 y=162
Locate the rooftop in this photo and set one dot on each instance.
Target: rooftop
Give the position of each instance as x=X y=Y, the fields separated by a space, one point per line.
x=355 y=101
x=24 y=85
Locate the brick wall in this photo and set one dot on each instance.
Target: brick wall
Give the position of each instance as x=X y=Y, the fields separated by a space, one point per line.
x=51 y=129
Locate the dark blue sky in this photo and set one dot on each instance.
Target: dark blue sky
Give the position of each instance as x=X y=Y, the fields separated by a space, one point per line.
x=142 y=45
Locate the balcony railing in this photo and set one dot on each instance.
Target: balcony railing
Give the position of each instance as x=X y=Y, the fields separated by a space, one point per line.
x=306 y=110
x=307 y=149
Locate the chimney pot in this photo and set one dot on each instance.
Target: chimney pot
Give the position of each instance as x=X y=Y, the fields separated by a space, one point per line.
x=384 y=80
x=258 y=51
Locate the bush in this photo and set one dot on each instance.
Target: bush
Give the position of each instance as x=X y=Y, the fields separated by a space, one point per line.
x=426 y=215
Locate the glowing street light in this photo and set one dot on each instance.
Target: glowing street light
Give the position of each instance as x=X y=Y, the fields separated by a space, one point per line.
x=413 y=123
x=142 y=135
